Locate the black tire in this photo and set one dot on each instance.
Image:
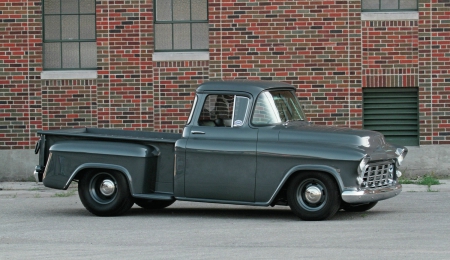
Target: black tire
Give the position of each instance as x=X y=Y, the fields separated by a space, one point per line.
x=153 y=204
x=313 y=196
x=357 y=207
x=105 y=193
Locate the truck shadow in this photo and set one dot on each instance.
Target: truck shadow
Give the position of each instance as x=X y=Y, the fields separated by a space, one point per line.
x=238 y=212
x=216 y=213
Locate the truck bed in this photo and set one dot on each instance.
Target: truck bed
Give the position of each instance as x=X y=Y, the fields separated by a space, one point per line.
x=151 y=173
x=97 y=133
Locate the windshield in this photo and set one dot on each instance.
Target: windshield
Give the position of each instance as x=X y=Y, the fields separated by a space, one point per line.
x=275 y=107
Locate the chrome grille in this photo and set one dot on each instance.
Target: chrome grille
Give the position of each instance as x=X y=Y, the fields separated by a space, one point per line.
x=378 y=175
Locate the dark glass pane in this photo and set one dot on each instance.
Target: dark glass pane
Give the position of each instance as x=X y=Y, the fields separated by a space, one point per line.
x=52 y=55
x=200 y=36
x=370 y=4
x=408 y=4
x=70 y=55
x=163 y=36
x=51 y=7
x=87 y=26
x=88 y=54
x=69 y=27
x=87 y=6
x=69 y=6
x=199 y=9
x=163 y=10
x=181 y=10
x=389 y=4
x=52 y=27
x=182 y=36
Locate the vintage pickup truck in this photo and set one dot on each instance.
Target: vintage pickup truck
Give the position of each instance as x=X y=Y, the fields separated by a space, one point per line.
x=245 y=142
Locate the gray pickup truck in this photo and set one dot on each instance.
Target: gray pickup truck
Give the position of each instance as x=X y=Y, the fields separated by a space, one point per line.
x=245 y=142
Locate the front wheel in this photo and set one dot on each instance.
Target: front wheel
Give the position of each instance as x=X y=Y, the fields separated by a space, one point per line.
x=105 y=193
x=313 y=196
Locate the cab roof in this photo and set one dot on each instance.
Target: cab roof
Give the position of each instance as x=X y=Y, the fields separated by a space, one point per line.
x=253 y=87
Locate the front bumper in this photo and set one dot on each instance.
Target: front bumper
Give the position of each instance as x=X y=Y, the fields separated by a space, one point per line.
x=371 y=195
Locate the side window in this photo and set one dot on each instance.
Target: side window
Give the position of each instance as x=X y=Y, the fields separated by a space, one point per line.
x=224 y=111
x=69 y=37
x=181 y=25
x=388 y=5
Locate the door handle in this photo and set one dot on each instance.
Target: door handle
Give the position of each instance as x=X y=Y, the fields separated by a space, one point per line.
x=197 y=132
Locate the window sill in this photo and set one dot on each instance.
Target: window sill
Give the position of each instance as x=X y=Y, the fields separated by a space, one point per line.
x=389 y=16
x=181 y=56
x=69 y=74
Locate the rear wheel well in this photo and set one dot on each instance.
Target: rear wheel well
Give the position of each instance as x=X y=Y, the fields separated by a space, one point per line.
x=86 y=171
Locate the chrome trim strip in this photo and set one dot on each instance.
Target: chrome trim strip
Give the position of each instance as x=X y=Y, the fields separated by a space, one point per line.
x=371 y=195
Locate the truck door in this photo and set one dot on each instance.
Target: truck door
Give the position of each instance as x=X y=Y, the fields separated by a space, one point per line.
x=221 y=151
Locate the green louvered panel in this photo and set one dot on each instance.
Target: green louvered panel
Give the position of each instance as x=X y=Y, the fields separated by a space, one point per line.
x=393 y=112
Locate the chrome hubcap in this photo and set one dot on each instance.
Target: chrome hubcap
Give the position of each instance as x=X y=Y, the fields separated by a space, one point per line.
x=107 y=187
x=313 y=194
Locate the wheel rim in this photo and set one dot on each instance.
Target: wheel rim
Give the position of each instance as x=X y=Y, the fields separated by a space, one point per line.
x=311 y=194
x=103 y=188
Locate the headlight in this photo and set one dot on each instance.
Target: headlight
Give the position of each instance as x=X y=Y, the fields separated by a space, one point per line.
x=401 y=153
x=363 y=165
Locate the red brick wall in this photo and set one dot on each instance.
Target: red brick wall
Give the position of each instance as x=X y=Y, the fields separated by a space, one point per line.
x=174 y=88
x=122 y=37
x=311 y=44
x=69 y=103
x=390 y=54
x=321 y=46
x=434 y=71
x=20 y=56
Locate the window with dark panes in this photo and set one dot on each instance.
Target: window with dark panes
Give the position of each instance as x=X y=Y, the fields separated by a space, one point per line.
x=388 y=5
x=181 y=25
x=69 y=34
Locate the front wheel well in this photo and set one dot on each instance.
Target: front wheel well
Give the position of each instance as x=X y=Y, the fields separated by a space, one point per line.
x=281 y=197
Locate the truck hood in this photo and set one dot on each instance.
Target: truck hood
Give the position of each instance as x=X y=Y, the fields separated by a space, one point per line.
x=362 y=142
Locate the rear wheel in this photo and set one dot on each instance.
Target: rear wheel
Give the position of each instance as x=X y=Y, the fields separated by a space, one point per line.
x=313 y=196
x=153 y=204
x=105 y=193
x=357 y=207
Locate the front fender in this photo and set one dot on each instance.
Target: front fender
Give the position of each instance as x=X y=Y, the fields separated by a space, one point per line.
x=308 y=167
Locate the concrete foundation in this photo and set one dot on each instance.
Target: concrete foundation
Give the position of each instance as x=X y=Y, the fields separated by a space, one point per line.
x=18 y=165
x=427 y=159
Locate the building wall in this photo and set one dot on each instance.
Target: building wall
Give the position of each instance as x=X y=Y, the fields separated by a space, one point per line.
x=325 y=48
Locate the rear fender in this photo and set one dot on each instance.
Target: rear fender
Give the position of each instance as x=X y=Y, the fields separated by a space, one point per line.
x=69 y=159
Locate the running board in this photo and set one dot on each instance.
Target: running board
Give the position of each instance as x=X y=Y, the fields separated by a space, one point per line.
x=154 y=196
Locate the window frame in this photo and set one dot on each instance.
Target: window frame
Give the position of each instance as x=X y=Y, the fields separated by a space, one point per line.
x=172 y=22
x=61 y=41
x=389 y=10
